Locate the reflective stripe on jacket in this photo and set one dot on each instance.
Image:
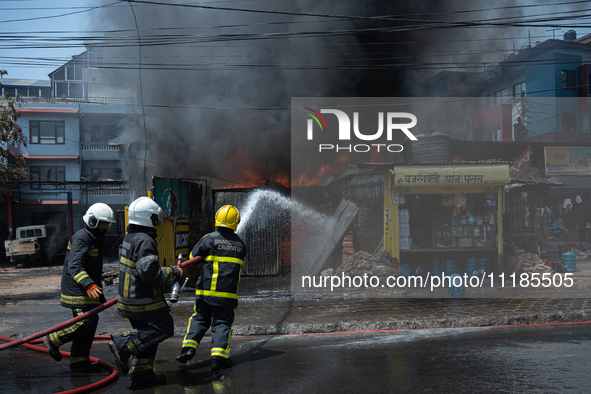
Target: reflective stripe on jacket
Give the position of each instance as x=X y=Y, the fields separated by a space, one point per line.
x=141 y=279
x=83 y=266
x=224 y=253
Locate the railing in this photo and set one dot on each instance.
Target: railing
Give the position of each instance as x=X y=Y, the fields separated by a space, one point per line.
x=116 y=191
x=90 y=100
x=100 y=147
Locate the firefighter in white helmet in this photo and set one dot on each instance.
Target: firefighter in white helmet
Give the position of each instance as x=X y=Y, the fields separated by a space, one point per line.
x=81 y=288
x=141 y=296
x=217 y=289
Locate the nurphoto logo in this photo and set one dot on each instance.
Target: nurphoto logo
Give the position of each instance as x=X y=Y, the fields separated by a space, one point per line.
x=392 y=120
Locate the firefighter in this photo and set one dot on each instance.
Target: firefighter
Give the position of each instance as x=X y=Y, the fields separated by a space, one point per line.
x=141 y=296
x=81 y=288
x=223 y=252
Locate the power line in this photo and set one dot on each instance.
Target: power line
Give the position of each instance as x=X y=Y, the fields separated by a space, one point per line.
x=141 y=95
x=58 y=16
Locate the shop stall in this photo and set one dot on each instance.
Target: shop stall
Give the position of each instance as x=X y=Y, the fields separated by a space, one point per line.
x=445 y=217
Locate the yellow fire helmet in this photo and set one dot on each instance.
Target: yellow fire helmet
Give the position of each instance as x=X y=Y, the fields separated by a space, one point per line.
x=227 y=216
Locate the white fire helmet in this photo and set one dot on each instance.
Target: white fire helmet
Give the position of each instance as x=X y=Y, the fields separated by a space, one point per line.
x=98 y=212
x=145 y=212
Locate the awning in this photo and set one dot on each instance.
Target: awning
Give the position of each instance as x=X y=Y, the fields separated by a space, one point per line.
x=48 y=202
x=44 y=110
x=51 y=157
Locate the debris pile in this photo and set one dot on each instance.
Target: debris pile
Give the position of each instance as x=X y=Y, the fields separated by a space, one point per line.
x=360 y=263
x=531 y=263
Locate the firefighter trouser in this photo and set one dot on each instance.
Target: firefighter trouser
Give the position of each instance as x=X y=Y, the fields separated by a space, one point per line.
x=221 y=329
x=81 y=334
x=142 y=343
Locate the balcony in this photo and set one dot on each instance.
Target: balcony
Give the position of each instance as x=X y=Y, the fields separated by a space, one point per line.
x=101 y=151
x=108 y=195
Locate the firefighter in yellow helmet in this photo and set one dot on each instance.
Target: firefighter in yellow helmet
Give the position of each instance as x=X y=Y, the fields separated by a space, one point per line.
x=223 y=252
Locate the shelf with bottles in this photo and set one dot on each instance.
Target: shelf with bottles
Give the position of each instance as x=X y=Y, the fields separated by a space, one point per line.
x=404 y=239
x=465 y=236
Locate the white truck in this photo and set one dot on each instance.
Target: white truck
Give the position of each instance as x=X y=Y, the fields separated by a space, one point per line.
x=29 y=245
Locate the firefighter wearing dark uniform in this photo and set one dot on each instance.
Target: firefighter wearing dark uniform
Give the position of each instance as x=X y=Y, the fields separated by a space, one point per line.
x=141 y=296
x=81 y=288
x=217 y=289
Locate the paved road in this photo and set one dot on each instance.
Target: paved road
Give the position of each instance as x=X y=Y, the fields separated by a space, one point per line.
x=537 y=359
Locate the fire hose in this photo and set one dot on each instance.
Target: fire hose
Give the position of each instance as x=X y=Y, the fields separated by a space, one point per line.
x=25 y=340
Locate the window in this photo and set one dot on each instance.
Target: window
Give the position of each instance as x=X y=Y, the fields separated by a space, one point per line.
x=74 y=73
x=493 y=135
x=568 y=79
x=70 y=89
x=95 y=56
x=497 y=97
x=102 y=133
x=569 y=122
x=68 y=82
x=589 y=84
x=519 y=89
x=96 y=174
x=45 y=174
x=9 y=90
x=32 y=232
x=46 y=132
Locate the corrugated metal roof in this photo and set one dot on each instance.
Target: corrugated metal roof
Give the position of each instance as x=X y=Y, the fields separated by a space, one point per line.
x=38 y=83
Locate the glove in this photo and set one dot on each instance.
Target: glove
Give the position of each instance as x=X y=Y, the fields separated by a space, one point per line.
x=172 y=275
x=93 y=291
x=177 y=272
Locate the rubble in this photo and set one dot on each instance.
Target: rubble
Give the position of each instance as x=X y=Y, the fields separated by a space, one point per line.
x=362 y=262
x=532 y=263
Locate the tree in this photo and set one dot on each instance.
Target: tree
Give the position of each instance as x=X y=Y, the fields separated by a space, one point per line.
x=12 y=165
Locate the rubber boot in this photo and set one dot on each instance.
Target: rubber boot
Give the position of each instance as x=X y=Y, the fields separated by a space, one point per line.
x=186 y=354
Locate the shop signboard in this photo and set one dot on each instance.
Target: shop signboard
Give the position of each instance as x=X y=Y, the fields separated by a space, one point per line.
x=476 y=176
x=562 y=160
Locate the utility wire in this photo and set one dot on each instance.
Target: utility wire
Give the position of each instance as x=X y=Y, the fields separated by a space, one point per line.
x=141 y=97
x=58 y=16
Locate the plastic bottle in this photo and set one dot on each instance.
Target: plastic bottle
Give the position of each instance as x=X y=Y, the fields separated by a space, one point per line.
x=569 y=261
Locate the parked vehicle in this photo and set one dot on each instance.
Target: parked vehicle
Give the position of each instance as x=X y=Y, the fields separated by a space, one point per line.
x=35 y=244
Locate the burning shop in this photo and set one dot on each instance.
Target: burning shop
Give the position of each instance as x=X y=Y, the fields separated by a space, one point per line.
x=445 y=217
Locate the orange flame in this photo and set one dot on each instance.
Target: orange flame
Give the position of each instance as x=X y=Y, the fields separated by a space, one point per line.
x=246 y=177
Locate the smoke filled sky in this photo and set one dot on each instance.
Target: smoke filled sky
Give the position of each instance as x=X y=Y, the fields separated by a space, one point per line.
x=217 y=78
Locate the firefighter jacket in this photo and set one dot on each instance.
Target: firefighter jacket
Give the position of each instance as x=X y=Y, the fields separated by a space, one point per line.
x=141 y=279
x=83 y=266
x=223 y=252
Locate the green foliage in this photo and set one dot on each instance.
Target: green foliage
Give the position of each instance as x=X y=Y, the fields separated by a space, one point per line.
x=12 y=165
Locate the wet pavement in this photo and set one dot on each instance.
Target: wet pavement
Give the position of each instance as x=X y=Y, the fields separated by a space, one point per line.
x=536 y=359
x=512 y=359
x=266 y=307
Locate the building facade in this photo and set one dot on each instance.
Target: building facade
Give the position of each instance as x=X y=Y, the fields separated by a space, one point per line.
x=539 y=93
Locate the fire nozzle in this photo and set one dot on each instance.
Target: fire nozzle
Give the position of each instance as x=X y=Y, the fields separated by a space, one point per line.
x=176 y=289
